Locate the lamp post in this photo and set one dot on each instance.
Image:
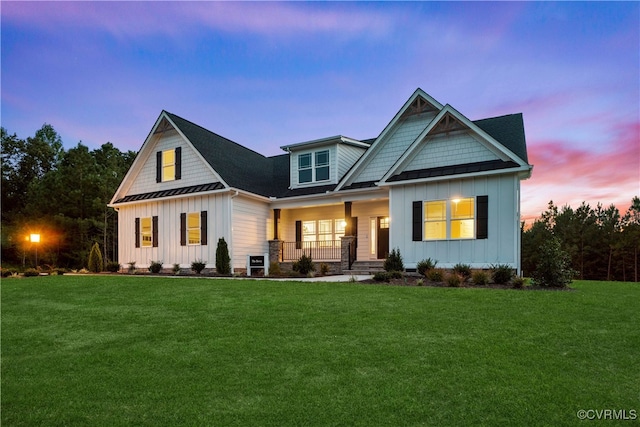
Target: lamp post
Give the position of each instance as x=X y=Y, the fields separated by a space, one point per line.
x=35 y=238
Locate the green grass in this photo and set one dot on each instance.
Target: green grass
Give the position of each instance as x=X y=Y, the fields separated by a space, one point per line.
x=121 y=350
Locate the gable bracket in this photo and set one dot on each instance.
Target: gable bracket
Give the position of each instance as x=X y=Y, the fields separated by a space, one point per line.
x=447 y=124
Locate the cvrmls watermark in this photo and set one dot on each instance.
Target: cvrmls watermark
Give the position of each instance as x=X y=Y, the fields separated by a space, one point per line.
x=607 y=414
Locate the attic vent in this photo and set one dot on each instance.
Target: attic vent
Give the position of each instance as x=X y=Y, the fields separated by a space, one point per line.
x=447 y=124
x=163 y=126
x=419 y=106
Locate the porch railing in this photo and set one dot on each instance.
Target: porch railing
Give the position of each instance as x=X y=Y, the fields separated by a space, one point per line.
x=325 y=250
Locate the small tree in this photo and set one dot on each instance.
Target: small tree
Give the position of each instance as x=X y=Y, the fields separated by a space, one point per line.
x=95 y=259
x=223 y=261
x=304 y=265
x=198 y=265
x=394 y=261
x=554 y=266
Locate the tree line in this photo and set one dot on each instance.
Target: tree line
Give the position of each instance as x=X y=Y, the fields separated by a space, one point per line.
x=601 y=243
x=61 y=195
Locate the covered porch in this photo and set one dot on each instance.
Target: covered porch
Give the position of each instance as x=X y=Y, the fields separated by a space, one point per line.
x=342 y=232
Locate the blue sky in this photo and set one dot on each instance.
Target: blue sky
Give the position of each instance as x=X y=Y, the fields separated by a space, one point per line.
x=269 y=74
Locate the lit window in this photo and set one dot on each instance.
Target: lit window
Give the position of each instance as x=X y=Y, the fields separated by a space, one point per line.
x=340 y=225
x=168 y=165
x=304 y=168
x=145 y=232
x=462 y=218
x=193 y=228
x=309 y=231
x=435 y=220
x=322 y=165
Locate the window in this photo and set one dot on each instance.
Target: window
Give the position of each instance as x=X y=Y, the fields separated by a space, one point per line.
x=322 y=165
x=304 y=168
x=193 y=228
x=145 y=232
x=168 y=165
x=435 y=220
x=462 y=218
x=453 y=219
x=313 y=167
x=323 y=230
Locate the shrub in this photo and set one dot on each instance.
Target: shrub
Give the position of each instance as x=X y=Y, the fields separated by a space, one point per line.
x=501 y=273
x=395 y=274
x=155 y=266
x=425 y=265
x=9 y=272
x=463 y=270
x=480 y=278
x=198 y=265
x=419 y=282
x=95 y=259
x=223 y=261
x=393 y=262
x=454 y=280
x=304 y=265
x=176 y=268
x=132 y=267
x=59 y=271
x=518 y=282
x=274 y=269
x=554 y=266
x=31 y=272
x=381 y=276
x=113 y=266
x=324 y=268
x=435 y=275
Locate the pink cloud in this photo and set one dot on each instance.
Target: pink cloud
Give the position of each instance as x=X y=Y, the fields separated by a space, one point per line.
x=570 y=175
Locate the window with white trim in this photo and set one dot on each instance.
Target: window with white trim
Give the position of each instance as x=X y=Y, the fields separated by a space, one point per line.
x=168 y=165
x=453 y=219
x=145 y=232
x=193 y=228
x=313 y=167
x=323 y=230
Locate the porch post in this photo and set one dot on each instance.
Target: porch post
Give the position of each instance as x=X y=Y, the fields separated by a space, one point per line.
x=275 y=247
x=276 y=220
x=348 y=229
x=347 y=248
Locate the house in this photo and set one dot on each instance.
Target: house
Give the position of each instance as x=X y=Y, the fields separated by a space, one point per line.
x=433 y=184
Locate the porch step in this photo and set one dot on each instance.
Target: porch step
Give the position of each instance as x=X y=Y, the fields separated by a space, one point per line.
x=365 y=267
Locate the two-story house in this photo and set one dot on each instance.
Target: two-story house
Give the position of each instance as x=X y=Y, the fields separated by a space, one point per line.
x=433 y=184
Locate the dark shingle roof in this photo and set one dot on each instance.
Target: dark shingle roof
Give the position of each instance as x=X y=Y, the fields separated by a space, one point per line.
x=507 y=130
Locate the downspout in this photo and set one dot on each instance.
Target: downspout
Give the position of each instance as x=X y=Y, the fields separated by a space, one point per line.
x=231 y=229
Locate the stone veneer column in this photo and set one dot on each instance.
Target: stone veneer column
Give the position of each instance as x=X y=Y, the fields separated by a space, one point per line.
x=346 y=241
x=274 y=250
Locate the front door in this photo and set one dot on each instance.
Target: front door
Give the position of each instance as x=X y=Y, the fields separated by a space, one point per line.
x=383 y=237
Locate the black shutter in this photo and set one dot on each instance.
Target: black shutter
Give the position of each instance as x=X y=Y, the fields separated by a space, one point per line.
x=178 y=162
x=203 y=227
x=417 y=221
x=298 y=234
x=154 y=231
x=137 y=232
x=159 y=166
x=183 y=229
x=482 y=217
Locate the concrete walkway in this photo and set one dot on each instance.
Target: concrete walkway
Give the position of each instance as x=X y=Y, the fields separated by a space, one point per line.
x=340 y=278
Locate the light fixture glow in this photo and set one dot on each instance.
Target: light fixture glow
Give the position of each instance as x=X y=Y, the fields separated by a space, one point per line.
x=34 y=238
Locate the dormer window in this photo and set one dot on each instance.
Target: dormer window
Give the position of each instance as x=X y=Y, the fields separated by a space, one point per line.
x=313 y=167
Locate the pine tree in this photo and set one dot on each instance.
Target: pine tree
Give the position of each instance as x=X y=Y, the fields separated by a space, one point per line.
x=95 y=259
x=223 y=261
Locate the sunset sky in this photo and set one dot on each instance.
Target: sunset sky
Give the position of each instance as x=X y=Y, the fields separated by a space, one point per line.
x=271 y=74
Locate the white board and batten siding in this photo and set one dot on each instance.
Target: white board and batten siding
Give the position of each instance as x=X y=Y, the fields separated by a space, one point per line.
x=252 y=228
x=503 y=242
x=194 y=171
x=169 y=250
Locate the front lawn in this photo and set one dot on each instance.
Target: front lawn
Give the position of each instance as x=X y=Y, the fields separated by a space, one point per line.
x=126 y=350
